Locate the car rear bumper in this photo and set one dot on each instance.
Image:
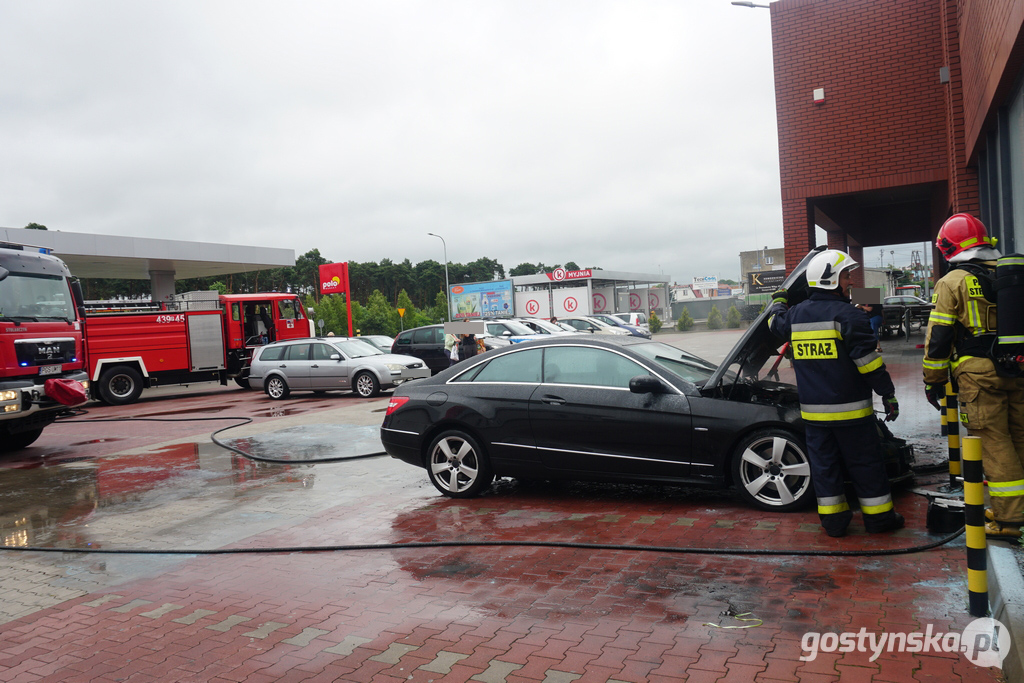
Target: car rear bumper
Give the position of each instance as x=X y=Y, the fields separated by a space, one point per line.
x=404 y=446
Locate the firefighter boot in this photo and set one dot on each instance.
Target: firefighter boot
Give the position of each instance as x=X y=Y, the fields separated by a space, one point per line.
x=835 y=524
x=877 y=524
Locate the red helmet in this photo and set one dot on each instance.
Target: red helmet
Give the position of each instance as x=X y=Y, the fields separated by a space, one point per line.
x=961 y=231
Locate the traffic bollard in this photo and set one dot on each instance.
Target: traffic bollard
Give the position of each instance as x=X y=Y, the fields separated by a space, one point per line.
x=952 y=421
x=974 y=516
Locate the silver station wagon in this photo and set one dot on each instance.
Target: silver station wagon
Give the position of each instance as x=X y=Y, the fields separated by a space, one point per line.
x=330 y=364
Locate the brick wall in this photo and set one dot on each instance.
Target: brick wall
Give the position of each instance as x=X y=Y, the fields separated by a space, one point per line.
x=883 y=122
x=989 y=63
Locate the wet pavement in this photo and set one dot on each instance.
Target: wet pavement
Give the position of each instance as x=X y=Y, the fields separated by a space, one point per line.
x=490 y=613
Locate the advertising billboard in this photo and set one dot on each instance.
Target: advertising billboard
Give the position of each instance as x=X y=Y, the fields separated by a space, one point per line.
x=481 y=300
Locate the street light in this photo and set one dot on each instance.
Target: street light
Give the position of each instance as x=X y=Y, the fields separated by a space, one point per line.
x=747 y=3
x=447 y=294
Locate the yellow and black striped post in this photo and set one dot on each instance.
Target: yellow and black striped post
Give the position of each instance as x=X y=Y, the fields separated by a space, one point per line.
x=952 y=424
x=974 y=516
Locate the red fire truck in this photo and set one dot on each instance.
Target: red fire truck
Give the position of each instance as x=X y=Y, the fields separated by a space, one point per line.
x=196 y=337
x=40 y=339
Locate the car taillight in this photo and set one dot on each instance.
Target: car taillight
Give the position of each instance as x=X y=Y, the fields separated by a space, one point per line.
x=395 y=403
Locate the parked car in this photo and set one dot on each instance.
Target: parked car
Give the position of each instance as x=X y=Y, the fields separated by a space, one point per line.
x=381 y=341
x=617 y=409
x=636 y=319
x=510 y=329
x=427 y=344
x=329 y=364
x=617 y=322
x=902 y=311
x=582 y=323
x=541 y=326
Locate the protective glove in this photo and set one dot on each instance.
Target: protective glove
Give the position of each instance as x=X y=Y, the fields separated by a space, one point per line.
x=780 y=296
x=935 y=393
x=892 y=408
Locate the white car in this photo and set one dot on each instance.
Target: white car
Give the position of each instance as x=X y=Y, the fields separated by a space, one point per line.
x=585 y=323
x=635 y=319
x=330 y=364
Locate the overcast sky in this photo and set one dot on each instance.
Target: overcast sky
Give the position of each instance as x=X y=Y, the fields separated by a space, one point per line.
x=635 y=135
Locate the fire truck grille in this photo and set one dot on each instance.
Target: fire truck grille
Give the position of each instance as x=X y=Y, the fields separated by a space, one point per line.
x=33 y=352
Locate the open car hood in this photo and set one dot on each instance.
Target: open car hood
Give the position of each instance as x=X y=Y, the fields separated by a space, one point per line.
x=757 y=344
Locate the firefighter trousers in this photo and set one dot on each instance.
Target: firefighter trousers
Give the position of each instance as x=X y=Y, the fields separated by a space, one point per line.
x=992 y=407
x=853 y=450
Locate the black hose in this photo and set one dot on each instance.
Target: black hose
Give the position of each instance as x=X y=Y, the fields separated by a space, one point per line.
x=513 y=544
x=446 y=544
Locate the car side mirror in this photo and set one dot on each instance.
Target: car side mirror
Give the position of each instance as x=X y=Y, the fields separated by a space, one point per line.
x=646 y=384
x=335 y=356
x=506 y=333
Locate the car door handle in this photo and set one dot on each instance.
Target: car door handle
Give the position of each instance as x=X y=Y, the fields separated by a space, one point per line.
x=553 y=400
x=314 y=365
x=282 y=365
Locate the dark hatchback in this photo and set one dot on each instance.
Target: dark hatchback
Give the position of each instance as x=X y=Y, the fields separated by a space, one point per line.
x=616 y=409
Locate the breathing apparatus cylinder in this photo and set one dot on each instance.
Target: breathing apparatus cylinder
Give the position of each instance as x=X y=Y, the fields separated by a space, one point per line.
x=1010 y=311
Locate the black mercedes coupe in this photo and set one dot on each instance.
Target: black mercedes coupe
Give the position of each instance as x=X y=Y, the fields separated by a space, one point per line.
x=617 y=409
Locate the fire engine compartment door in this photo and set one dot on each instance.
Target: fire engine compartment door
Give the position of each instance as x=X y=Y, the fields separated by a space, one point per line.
x=205 y=341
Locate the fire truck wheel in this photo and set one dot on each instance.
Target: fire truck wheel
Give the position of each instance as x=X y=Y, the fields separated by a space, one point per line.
x=366 y=385
x=277 y=388
x=14 y=442
x=120 y=385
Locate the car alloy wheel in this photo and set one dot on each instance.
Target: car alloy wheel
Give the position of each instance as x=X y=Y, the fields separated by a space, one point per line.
x=457 y=466
x=277 y=388
x=367 y=385
x=771 y=471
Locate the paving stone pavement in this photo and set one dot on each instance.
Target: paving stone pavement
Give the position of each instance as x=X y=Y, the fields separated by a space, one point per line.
x=480 y=613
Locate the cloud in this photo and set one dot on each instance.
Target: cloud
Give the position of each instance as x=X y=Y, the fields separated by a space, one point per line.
x=631 y=136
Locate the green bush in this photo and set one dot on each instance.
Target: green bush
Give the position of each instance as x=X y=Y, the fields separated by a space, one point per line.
x=654 y=323
x=685 y=321
x=733 y=317
x=714 y=318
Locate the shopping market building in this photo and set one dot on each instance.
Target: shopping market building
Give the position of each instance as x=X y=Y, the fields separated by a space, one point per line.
x=894 y=114
x=582 y=292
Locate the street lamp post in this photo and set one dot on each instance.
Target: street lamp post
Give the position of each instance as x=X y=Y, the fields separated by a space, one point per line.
x=447 y=289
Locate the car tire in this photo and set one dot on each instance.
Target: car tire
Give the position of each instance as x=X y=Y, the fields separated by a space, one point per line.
x=276 y=387
x=15 y=442
x=120 y=385
x=457 y=465
x=242 y=383
x=366 y=385
x=771 y=471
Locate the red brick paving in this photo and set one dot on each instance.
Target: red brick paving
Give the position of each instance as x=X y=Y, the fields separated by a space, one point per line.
x=502 y=613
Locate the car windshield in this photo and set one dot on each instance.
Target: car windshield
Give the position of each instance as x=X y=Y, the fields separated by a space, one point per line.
x=356 y=348
x=35 y=297
x=680 y=363
x=545 y=325
x=517 y=327
x=610 y=320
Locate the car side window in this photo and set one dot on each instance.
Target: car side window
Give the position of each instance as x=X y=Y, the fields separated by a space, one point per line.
x=589 y=367
x=521 y=366
x=273 y=353
x=298 y=352
x=404 y=338
x=424 y=336
x=287 y=309
x=495 y=329
x=323 y=351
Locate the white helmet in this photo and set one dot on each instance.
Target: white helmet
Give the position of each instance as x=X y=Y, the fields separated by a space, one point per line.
x=824 y=269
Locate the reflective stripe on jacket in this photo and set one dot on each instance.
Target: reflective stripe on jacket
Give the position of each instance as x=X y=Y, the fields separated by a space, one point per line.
x=834 y=356
x=960 y=304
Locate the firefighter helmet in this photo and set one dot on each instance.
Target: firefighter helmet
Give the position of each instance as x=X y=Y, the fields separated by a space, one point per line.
x=824 y=269
x=961 y=231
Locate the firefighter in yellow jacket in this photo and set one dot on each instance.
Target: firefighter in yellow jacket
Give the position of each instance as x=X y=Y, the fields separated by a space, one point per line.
x=960 y=341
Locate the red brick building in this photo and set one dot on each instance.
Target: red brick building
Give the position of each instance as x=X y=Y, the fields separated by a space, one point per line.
x=893 y=114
